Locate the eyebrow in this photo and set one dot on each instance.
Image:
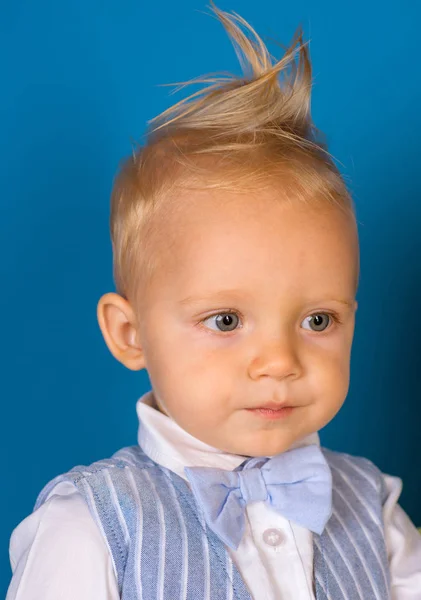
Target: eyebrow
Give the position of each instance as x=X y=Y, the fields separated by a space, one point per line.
x=222 y=294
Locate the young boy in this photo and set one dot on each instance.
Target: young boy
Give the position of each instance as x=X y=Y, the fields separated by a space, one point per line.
x=236 y=264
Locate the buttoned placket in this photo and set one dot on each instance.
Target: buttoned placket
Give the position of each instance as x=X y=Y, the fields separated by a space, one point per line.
x=270 y=543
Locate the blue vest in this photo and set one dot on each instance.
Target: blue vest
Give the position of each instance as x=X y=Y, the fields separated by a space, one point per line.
x=162 y=548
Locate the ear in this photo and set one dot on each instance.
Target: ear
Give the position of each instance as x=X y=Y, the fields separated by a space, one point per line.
x=118 y=325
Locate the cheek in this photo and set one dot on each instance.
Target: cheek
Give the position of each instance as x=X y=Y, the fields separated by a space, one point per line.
x=203 y=365
x=337 y=386
x=197 y=414
x=330 y=374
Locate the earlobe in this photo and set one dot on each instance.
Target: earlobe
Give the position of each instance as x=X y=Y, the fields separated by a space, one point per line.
x=118 y=325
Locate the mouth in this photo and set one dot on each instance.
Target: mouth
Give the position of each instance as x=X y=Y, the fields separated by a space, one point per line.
x=272 y=406
x=272 y=411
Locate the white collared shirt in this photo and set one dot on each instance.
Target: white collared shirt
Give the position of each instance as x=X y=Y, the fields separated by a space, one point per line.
x=59 y=552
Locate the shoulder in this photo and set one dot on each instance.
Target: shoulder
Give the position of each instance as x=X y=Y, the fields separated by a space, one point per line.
x=99 y=474
x=116 y=492
x=59 y=543
x=64 y=515
x=339 y=459
x=353 y=471
x=67 y=517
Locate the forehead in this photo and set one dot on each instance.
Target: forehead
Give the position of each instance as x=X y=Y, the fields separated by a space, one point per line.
x=215 y=239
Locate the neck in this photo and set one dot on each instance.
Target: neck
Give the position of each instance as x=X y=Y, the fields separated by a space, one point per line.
x=160 y=408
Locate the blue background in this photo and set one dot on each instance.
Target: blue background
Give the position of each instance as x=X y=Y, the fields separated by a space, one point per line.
x=79 y=81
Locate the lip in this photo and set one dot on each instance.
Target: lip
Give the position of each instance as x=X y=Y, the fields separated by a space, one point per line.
x=272 y=406
x=266 y=412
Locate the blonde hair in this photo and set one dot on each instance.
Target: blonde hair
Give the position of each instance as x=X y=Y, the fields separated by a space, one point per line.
x=238 y=133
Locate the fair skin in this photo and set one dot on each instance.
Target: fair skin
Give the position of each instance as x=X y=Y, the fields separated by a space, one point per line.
x=272 y=338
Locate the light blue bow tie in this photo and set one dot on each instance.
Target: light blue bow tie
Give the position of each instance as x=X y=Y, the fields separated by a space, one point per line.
x=296 y=483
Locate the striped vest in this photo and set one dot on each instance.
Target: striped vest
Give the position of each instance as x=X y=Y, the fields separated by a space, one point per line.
x=162 y=548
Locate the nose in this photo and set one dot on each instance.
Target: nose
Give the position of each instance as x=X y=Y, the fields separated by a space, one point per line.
x=278 y=359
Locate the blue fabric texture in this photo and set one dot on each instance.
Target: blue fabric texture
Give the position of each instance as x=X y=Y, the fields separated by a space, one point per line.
x=297 y=483
x=162 y=547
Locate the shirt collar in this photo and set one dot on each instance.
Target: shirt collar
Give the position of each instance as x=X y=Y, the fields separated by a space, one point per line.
x=170 y=446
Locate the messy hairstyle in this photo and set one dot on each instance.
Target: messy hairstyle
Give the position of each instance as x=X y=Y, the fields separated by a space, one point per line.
x=238 y=134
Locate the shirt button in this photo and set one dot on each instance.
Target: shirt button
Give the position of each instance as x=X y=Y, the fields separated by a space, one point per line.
x=272 y=537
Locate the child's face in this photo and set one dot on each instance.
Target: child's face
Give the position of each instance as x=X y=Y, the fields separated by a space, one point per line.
x=266 y=267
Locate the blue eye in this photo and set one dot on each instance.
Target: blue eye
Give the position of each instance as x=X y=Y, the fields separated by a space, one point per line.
x=224 y=321
x=228 y=321
x=318 y=321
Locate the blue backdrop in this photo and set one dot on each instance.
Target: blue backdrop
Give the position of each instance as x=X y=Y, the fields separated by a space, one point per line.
x=80 y=80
